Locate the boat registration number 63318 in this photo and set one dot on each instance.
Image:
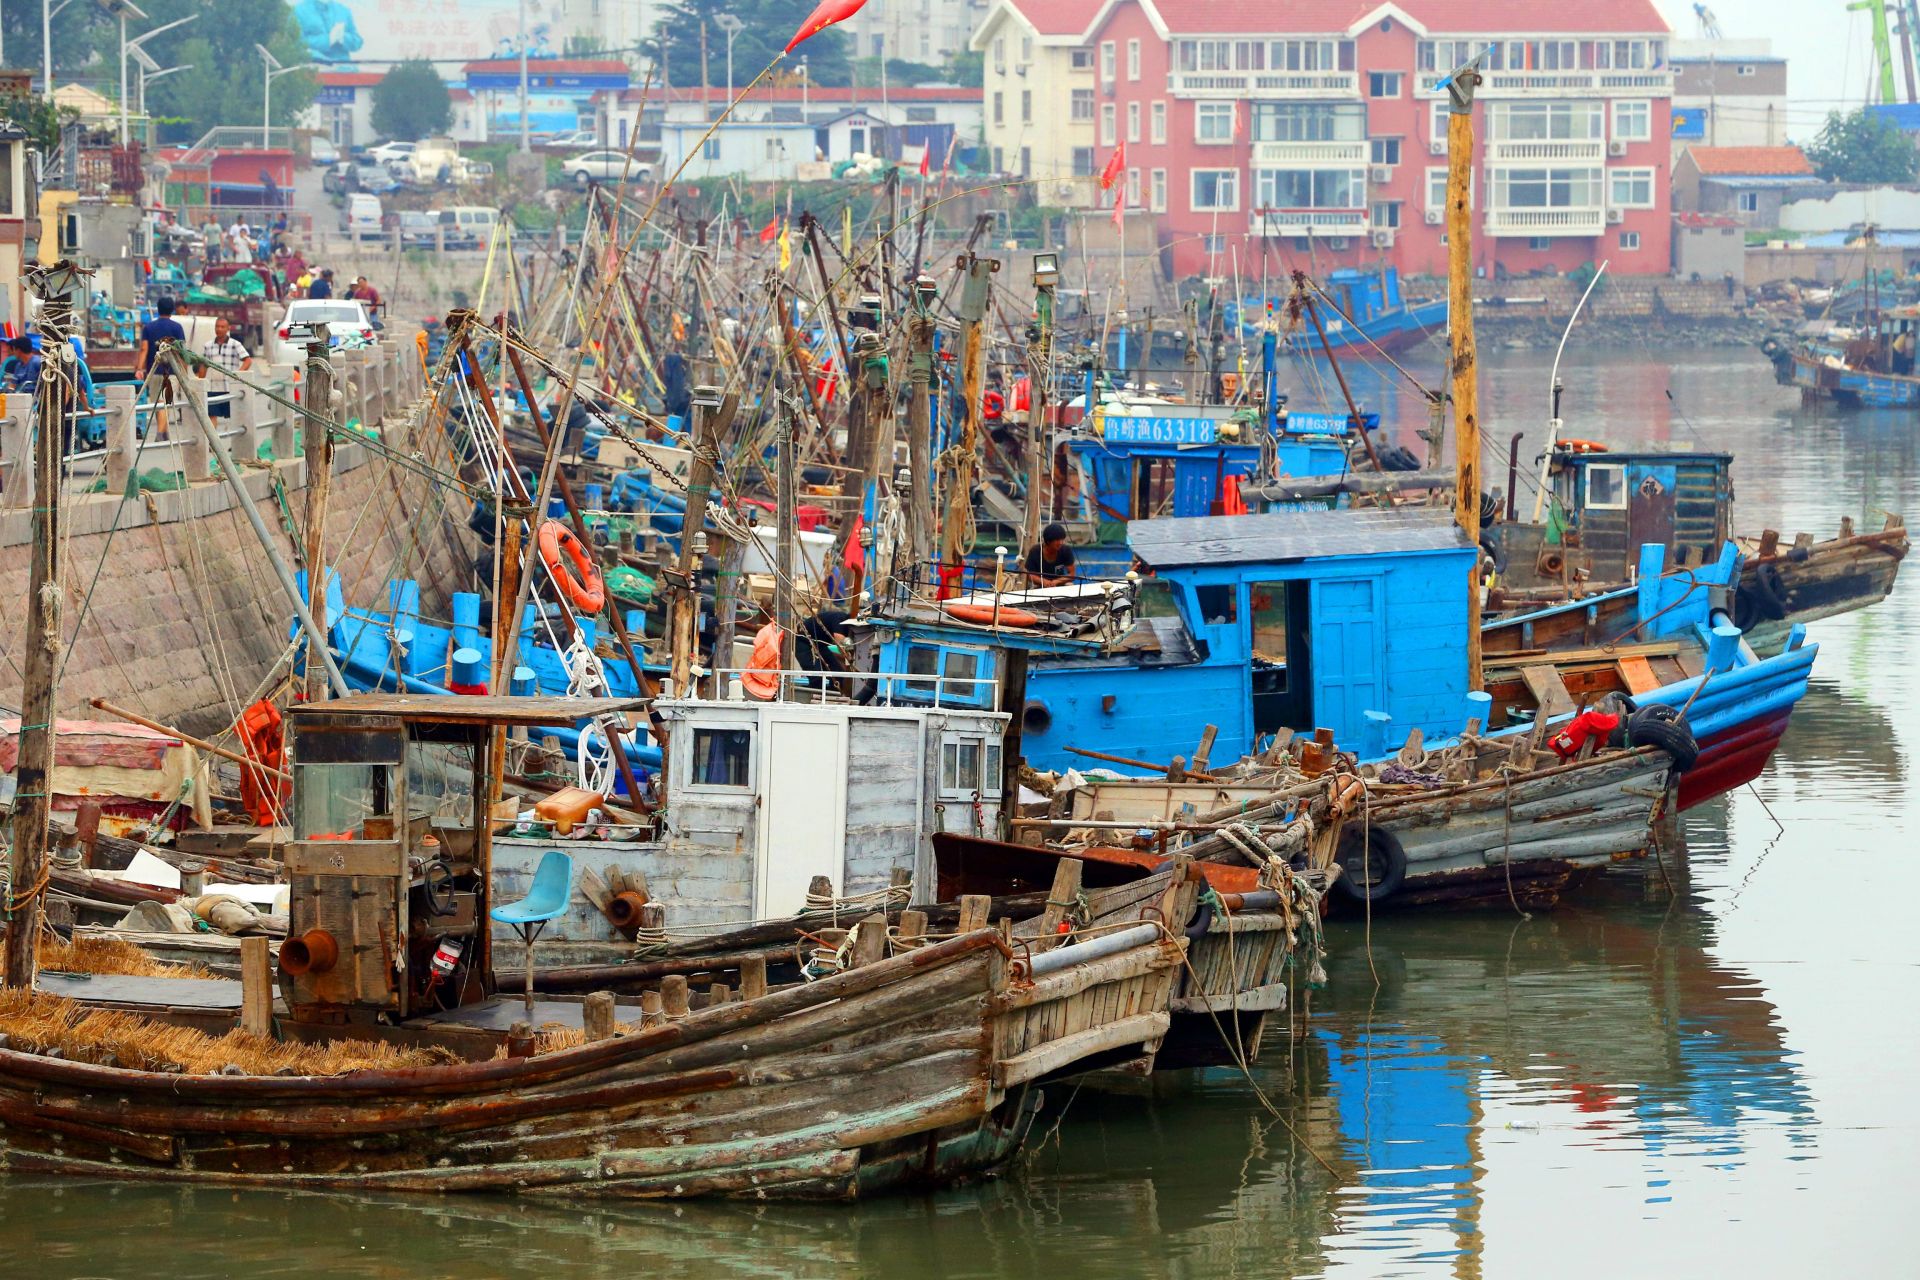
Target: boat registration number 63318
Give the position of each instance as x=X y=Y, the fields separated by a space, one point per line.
x=1131 y=430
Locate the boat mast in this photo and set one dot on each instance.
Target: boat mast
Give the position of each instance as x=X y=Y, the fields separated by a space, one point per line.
x=317 y=452
x=33 y=801
x=1466 y=381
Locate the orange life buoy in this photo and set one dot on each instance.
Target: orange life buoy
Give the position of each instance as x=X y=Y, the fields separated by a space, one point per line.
x=761 y=679
x=573 y=570
x=985 y=613
x=1583 y=446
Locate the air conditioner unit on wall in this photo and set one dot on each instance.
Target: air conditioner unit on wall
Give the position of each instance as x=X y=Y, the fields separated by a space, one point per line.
x=1616 y=148
x=1616 y=215
x=1437 y=146
x=1383 y=238
x=1381 y=173
x=1337 y=243
x=1434 y=217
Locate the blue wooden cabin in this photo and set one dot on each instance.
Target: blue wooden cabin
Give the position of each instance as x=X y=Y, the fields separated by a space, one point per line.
x=1250 y=623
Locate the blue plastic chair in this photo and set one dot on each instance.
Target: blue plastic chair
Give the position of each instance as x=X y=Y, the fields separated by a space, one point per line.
x=552 y=890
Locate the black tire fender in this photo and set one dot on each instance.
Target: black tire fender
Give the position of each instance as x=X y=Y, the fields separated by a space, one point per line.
x=1664 y=727
x=1770 y=590
x=1357 y=851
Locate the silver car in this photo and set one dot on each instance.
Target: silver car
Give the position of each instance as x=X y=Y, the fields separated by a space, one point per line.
x=605 y=166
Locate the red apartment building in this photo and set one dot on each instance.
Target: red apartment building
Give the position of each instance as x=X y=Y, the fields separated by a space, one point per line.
x=1314 y=131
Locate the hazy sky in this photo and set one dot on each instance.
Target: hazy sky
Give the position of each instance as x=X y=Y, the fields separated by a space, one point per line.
x=1829 y=50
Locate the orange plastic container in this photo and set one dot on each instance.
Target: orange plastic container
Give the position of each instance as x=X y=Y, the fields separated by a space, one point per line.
x=568 y=806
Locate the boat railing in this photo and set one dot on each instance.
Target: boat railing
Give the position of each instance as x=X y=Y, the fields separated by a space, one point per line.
x=889 y=689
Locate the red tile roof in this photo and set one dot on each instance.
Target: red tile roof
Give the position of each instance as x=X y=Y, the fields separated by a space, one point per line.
x=1058 y=17
x=1691 y=219
x=1750 y=162
x=1445 y=17
x=350 y=79
x=552 y=66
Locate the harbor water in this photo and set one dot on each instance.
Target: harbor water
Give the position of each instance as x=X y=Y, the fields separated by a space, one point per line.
x=1697 y=1067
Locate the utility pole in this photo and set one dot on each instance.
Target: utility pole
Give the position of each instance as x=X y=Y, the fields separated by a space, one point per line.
x=974 y=295
x=1466 y=375
x=33 y=804
x=1046 y=277
x=317 y=448
x=784 y=516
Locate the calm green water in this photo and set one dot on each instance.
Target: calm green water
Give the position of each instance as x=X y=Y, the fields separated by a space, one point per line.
x=1708 y=1079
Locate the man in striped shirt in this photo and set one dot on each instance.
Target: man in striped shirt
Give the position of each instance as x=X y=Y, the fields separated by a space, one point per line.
x=230 y=354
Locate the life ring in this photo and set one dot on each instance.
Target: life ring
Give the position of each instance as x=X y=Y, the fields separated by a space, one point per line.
x=986 y=614
x=761 y=679
x=579 y=581
x=1582 y=446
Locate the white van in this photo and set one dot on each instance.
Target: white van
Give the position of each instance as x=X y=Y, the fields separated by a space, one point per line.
x=361 y=215
x=468 y=226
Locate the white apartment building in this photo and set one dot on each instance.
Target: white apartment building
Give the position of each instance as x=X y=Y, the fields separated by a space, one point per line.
x=1040 y=100
x=926 y=31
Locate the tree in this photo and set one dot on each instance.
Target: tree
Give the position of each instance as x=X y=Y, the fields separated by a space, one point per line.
x=769 y=25
x=226 y=85
x=1863 y=147
x=411 y=102
x=40 y=118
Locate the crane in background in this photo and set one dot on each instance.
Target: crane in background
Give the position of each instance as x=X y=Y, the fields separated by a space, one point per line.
x=1905 y=18
x=1708 y=24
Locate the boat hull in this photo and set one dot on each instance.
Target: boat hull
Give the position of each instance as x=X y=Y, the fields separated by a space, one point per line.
x=1826 y=580
x=1819 y=380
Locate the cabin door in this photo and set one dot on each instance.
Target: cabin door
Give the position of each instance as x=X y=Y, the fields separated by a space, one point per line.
x=1650 y=499
x=803 y=811
x=1349 y=654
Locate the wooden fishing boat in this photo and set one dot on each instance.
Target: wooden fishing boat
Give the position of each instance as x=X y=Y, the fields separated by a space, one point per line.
x=917 y=1069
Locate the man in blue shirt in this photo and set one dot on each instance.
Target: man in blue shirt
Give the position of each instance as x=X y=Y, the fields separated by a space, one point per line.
x=163 y=328
x=321 y=285
x=23 y=375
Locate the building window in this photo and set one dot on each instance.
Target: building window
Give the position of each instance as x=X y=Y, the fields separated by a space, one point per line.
x=1083 y=162
x=1629 y=239
x=1106 y=62
x=1384 y=151
x=1133 y=59
x=1159 y=192
x=1026 y=162
x=999 y=107
x=1744 y=69
x=1286 y=189
x=1383 y=84
x=879 y=46
x=1026 y=106
x=1133 y=122
x=1747 y=201
x=1000 y=55
x=1544 y=121
x=1630 y=188
x=1159 y=122
x=1384 y=215
x=1437 y=124
x=1437 y=187
x=1606 y=487
x=776 y=148
x=1109 y=124
x=1264 y=55
x=1082 y=59
x=1632 y=121
x=1216 y=190
x=1133 y=187
x=1215 y=244
x=1082 y=100
x=1309 y=122
x=1026 y=43
x=1539 y=243
x=711 y=151
x=1545 y=188
x=1213 y=121
x=999 y=161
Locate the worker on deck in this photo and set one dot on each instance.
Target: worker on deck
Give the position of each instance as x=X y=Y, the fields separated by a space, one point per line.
x=23 y=366
x=1051 y=564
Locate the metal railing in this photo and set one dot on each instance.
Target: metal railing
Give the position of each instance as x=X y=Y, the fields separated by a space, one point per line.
x=844 y=687
x=1309 y=154
x=1585 y=220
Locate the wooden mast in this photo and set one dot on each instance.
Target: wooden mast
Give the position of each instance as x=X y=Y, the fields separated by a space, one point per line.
x=317 y=451
x=1466 y=375
x=974 y=296
x=33 y=802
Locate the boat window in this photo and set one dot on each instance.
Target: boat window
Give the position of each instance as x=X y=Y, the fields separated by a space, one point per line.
x=990 y=783
x=333 y=801
x=1267 y=607
x=922 y=660
x=721 y=757
x=1217 y=604
x=961 y=666
x=1606 y=487
x=1153 y=598
x=969 y=766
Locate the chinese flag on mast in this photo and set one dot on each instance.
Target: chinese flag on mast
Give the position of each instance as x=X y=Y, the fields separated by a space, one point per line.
x=824 y=15
x=926 y=160
x=1116 y=165
x=1120 y=210
x=770 y=232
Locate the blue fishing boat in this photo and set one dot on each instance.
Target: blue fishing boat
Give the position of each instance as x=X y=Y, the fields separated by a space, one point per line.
x=1369 y=311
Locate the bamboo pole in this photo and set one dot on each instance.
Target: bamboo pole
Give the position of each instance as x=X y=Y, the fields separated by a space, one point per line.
x=317 y=452
x=1466 y=376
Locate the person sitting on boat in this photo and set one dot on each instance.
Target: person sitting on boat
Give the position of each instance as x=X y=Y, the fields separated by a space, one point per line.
x=23 y=366
x=1903 y=352
x=1051 y=564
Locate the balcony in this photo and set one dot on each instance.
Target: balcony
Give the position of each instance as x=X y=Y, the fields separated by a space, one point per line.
x=1309 y=155
x=1308 y=222
x=1544 y=151
x=1578 y=221
x=1264 y=84
x=1656 y=83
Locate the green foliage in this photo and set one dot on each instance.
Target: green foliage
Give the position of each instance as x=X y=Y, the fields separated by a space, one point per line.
x=769 y=25
x=965 y=67
x=1863 y=147
x=411 y=102
x=39 y=118
x=1582 y=276
x=901 y=74
x=78 y=32
x=226 y=84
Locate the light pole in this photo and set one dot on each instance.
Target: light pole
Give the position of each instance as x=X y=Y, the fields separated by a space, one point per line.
x=151 y=70
x=48 y=11
x=130 y=47
x=733 y=27
x=273 y=68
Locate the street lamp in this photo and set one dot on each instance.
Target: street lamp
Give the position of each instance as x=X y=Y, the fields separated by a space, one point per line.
x=273 y=68
x=151 y=70
x=48 y=12
x=733 y=27
x=127 y=47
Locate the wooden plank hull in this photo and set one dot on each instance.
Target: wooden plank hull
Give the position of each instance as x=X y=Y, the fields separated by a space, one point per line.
x=882 y=1077
x=1828 y=579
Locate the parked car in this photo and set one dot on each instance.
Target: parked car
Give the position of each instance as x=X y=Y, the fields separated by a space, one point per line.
x=349 y=327
x=338 y=180
x=417 y=228
x=388 y=152
x=373 y=178
x=361 y=215
x=478 y=171
x=605 y=166
x=468 y=226
x=574 y=141
x=321 y=151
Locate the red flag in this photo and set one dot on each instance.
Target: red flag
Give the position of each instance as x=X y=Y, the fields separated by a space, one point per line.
x=770 y=232
x=1116 y=164
x=824 y=15
x=953 y=144
x=1119 y=210
x=855 y=556
x=926 y=160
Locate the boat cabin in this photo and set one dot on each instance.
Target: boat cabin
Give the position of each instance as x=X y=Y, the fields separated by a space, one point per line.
x=1352 y=620
x=1604 y=505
